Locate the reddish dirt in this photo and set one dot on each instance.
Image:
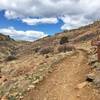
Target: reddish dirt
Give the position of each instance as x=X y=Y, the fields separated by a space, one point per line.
x=62 y=83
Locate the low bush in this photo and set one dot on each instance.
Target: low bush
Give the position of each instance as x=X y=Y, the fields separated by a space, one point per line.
x=36 y=49
x=64 y=40
x=64 y=48
x=10 y=58
x=46 y=50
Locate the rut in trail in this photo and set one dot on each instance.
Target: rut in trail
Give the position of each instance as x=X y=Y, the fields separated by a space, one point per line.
x=62 y=83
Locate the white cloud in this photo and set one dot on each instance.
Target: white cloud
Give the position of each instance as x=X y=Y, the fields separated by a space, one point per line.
x=31 y=21
x=23 y=9
x=34 y=8
x=28 y=35
x=74 y=22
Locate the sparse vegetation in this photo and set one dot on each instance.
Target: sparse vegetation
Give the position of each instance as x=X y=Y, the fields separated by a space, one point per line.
x=35 y=60
x=46 y=50
x=36 y=49
x=10 y=58
x=64 y=48
x=64 y=40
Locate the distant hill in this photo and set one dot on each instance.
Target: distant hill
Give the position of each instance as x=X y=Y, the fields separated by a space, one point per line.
x=5 y=37
x=85 y=33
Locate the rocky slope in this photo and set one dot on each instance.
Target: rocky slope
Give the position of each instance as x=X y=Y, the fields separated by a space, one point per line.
x=68 y=81
x=26 y=68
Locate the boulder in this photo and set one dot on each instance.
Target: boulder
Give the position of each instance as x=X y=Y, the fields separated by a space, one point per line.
x=92 y=59
x=90 y=77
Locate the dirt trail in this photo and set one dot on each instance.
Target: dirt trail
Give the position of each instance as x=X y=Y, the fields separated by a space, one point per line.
x=62 y=83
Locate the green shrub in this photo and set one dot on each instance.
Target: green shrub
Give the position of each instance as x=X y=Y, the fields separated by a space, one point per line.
x=64 y=40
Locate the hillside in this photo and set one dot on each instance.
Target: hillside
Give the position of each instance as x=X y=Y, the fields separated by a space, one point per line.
x=59 y=67
x=5 y=38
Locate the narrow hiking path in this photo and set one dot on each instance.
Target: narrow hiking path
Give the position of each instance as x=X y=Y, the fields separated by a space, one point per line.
x=62 y=84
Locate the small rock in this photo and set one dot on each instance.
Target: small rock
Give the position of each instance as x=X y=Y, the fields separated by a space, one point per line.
x=36 y=81
x=90 y=77
x=96 y=65
x=93 y=59
x=97 y=81
x=21 y=97
x=31 y=86
x=98 y=69
x=81 y=85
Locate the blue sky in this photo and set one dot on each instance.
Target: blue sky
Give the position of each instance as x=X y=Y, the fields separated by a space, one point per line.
x=34 y=19
x=50 y=29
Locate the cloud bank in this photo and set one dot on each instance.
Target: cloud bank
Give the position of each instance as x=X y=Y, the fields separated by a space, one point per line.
x=29 y=35
x=33 y=21
x=73 y=13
